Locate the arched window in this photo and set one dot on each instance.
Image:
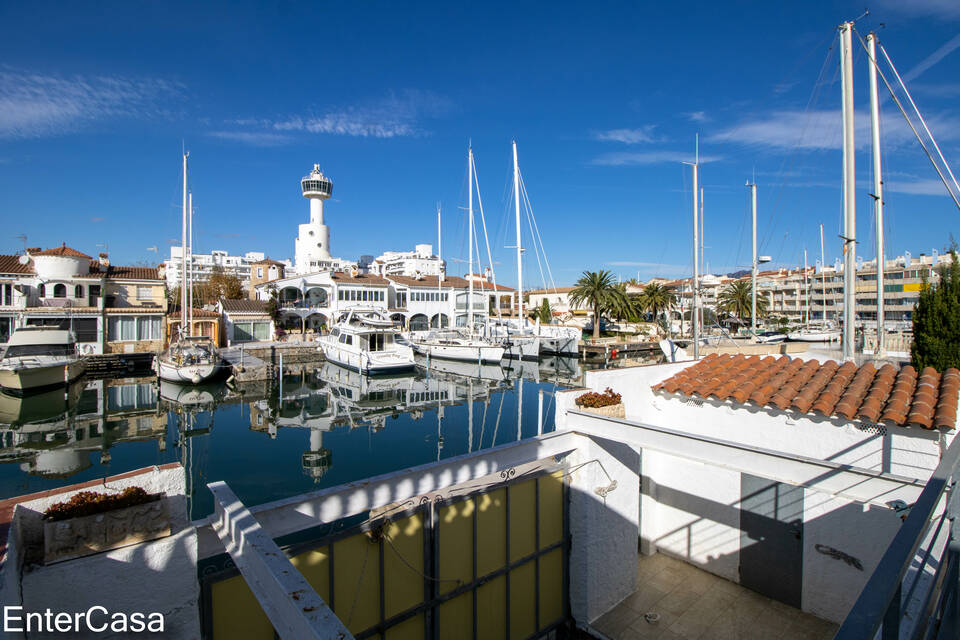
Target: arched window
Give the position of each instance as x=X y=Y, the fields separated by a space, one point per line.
x=78 y=291
x=43 y=290
x=419 y=322
x=59 y=291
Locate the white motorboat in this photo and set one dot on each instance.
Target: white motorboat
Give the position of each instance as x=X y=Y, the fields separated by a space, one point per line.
x=39 y=358
x=559 y=340
x=452 y=345
x=365 y=341
x=770 y=337
x=190 y=359
x=815 y=334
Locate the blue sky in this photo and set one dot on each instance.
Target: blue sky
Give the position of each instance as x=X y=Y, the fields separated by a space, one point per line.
x=604 y=100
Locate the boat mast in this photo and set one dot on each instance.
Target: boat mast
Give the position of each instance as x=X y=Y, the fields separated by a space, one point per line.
x=694 y=324
x=823 y=278
x=753 y=264
x=183 y=254
x=190 y=265
x=470 y=241
x=806 y=288
x=516 y=200
x=849 y=192
x=877 y=194
x=439 y=250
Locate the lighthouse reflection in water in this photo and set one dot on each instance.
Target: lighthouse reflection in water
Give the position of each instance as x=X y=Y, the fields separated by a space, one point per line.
x=317 y=427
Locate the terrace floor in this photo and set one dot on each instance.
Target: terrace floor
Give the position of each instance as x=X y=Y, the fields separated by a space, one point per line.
x=694 y=604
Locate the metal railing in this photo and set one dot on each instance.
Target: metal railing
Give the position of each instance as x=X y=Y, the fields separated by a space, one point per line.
x=881 y=605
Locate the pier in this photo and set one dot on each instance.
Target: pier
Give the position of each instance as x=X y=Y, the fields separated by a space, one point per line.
x=607 y=348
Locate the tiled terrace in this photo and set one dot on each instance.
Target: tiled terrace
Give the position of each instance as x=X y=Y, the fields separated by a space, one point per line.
x=695 y=604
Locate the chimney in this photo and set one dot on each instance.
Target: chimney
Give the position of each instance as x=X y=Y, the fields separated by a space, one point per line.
x=104 y=262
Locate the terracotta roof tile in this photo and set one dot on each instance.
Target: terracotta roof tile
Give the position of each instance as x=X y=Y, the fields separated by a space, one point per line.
x=11 y=264
x=897 y=397
x=62 y=250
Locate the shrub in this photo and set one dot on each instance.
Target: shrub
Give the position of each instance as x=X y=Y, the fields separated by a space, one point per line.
x=594 y=400
x=87 y=503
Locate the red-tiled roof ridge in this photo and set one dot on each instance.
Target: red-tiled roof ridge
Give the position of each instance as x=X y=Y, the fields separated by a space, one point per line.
x=830 y=389
x=62 y=250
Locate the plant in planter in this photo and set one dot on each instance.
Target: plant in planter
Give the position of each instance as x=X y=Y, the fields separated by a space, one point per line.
x=607 y=403
x=91 y=522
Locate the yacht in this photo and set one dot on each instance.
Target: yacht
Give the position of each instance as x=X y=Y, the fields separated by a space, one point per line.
x=191 y=359
x=452 y=345
x=770 y=337
x=559 y=340
x=815 y=334
x=39 y=358
x=365 y=341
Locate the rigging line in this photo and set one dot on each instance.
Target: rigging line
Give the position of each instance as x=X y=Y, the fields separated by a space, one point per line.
x=536 y=228
x=483 y=221
x=533 y=238
x=794 y=155
x=903 y=112
x=925 y=128
x=496 y=425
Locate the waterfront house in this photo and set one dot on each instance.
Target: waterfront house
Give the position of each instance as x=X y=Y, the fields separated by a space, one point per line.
x=263 y=271
x=428 y=302
x=245 y=321
x=110 y=308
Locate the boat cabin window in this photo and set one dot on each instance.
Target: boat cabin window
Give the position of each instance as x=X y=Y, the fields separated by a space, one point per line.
x=376 y=341
x=39 y=350
x=346 y=338
x=335 y=332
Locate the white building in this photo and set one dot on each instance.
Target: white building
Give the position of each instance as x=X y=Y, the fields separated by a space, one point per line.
x=312 y=245
x=419 y=262
x=204 y=264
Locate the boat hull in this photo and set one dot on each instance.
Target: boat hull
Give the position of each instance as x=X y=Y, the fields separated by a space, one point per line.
x=560 y=341
x=465 y=353
x=832 y=336
x=522 y=347
x=185 y=374
x=23 y=380
x=366 y=364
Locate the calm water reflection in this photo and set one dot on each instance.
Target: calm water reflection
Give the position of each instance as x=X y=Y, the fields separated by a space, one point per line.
x=320 y=427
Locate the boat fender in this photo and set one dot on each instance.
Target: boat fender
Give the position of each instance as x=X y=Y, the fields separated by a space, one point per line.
x=613 y=353
x=195 y=379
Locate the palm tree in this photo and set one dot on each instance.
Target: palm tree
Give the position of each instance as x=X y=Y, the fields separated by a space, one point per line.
x=736 y=300
x=600 y=290
x=656 y=299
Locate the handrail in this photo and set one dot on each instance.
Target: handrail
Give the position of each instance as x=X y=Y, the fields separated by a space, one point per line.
x=879 y=602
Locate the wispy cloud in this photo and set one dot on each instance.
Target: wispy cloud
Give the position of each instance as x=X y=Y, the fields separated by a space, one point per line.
x=398 y=115
x=698 y=116
x=821 y=130
x=34 y=105
x=932 y=59
x=920 y=187
x=254 y=138
x=922 y=8
x=627 y=136
x=626 y=158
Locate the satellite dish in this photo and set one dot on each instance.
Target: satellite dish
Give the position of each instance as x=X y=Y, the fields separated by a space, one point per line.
x=764 y=259
x=24 y=259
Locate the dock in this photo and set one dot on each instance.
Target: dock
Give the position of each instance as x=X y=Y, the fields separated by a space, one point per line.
x=262 y=360
x=607 y=348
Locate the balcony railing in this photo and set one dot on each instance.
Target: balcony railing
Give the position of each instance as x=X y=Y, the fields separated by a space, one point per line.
x=925 y=603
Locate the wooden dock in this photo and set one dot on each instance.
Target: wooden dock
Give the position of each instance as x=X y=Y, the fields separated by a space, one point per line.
x=611 y=348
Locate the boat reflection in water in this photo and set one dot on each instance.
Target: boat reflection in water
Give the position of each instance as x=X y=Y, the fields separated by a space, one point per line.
x=55 y=434
x=275 y=438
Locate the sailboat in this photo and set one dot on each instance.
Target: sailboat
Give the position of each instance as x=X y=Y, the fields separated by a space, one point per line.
x=190 y=359
x=460 y=344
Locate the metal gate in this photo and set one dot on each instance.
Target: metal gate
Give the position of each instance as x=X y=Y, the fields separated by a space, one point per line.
x=491 y=563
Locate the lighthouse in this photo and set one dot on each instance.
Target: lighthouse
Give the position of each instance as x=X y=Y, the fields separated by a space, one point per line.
x=313 y=239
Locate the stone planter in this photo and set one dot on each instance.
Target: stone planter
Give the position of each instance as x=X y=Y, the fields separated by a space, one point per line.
x=87 y=535
x=610 y=411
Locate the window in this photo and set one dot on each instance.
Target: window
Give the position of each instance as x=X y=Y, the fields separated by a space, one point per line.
x=144 y=293
x=259 y=272
x=94 y=291
x=59 y=291
x=121 y=328
x=7 y=295
x=42 y=289
x=375 y=342
x=78 y=291
x=148 y=328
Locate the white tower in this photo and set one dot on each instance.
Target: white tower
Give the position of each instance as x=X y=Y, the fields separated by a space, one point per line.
x=313 y=240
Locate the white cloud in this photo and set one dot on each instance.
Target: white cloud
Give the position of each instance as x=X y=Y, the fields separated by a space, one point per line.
x=933 y=58
x=628 y=136
x=397 y=115
x=255 y=138
x=34 y=105
x=698 y=116
x=821 y=130
x=626 y=158
x=921 y=187
x=922 y=8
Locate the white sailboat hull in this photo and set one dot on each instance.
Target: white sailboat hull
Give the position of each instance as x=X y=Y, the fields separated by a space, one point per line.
x=563 y=341
x=467 y=351
x=814 y=336
x=186 y=373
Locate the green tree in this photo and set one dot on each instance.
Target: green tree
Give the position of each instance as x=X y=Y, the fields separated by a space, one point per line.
x=544 y=313
x=273 y=304
x=599 y=290
x=735 y=300
x=936 y=320
x=656 y=299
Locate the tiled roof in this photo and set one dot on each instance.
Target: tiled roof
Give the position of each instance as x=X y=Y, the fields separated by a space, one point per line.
x=360 y=278
x=450 y=282
x=62 y=250
x=120 y=272
x=11 y=264
x=886 y=395
x=269 y=261
x=244 y=306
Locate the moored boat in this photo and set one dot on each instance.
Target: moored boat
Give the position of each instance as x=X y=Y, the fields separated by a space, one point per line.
x=39 y=358
x=365 y=341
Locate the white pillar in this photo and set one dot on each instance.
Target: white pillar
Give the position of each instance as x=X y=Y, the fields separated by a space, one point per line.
x=849 y=192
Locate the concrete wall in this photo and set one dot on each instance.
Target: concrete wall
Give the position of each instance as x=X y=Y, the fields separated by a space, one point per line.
x=153 y=576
